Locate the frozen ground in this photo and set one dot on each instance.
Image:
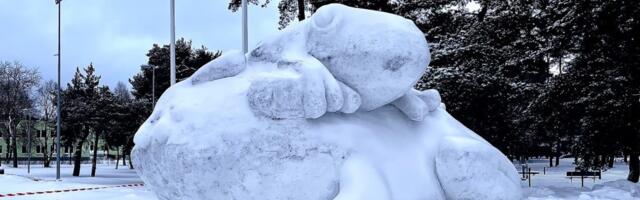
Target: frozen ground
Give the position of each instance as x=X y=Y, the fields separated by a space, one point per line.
x=555 y=185
x=550 y=186
x=17 y=180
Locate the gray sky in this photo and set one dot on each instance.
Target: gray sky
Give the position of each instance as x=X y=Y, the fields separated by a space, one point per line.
x=116 y=34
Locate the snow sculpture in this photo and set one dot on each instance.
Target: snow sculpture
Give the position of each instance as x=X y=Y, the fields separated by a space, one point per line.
x=319 y=111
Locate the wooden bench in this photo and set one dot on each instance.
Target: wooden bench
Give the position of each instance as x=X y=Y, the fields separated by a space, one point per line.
x=583 y=174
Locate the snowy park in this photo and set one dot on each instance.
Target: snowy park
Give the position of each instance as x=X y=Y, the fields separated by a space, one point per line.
x=553 y=185
x=321 y=100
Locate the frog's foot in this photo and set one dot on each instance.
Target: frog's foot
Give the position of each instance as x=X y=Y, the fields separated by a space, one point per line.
x=417 y=104
x=464 y=162
x=303 y=88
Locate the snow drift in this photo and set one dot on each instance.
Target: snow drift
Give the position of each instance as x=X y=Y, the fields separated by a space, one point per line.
x=319 y=111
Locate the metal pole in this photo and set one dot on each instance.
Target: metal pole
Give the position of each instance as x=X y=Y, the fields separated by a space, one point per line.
x=153 y=86
x=29 y=138
x=529 y=175
x=58 y=102
x=173 y=43
x=245 y=46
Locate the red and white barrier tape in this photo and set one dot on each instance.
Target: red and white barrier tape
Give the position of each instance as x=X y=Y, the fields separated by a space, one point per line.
x=68 y=190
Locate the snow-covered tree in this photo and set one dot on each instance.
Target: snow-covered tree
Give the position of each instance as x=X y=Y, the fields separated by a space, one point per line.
x=188 y=60
x=16 y=84
x=78 y=111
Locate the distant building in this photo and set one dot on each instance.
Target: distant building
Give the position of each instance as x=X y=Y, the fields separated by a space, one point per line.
x=39 y=145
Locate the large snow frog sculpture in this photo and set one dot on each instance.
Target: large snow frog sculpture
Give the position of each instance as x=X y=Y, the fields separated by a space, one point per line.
x=322 y=110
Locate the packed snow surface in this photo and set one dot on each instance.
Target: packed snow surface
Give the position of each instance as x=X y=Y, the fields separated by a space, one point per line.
x=319 y=111
x=552 y=185
x=40 y=179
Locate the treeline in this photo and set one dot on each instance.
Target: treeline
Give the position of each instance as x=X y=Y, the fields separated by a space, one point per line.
x=534 y=77
x=89 y=109
x=90 y=112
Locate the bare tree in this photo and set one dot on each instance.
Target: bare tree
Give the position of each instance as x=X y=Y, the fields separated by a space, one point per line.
x=121 y=92
x=46 y=105
x=16 y=83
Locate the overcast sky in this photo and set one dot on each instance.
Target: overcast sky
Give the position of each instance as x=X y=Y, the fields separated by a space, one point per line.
x=116 y=34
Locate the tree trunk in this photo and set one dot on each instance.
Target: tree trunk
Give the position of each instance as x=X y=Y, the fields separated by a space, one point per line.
x=483 y=11
x=14 y=148
x=95 y=155
x=45 y=155
x=117 y=157
x=124 y=156
x=77 y=159
x=557 y=160
x=130 y=163
x=611 y=161
x=106 y=149
x=300 y=10
x=7 y=154
x=550 y=161
x=69 y=155
x=634 y=168
x=51 y=150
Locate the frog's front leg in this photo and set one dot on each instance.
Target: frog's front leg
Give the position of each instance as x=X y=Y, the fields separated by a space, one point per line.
x=301 y=88
x=417 y=104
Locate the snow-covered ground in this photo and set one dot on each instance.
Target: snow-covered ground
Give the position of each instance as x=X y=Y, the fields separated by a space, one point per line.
x=17 y=180
x=555 y=185
x=550 y=186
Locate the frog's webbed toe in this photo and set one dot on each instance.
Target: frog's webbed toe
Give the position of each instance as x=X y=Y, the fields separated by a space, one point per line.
x=417 y=104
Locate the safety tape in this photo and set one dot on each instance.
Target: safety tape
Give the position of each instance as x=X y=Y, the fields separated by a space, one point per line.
x=68 y=190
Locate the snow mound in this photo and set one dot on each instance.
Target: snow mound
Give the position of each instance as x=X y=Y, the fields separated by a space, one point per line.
x=309 y=118
x=620 y=189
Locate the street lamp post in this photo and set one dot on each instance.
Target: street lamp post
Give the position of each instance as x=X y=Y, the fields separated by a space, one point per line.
x=58 y=101
x=245 y=45
x=153 y=81
x=172 y=50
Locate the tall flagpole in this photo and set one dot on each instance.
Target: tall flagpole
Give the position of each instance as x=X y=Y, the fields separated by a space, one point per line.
x=173 y=43
x=58 y=102
x=245 y=46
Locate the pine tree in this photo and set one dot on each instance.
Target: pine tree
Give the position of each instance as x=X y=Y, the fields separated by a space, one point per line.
x=79 y=111
x=188 y=60
x=105 y=120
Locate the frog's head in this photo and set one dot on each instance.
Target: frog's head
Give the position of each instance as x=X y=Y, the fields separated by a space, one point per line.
x=380 y=55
